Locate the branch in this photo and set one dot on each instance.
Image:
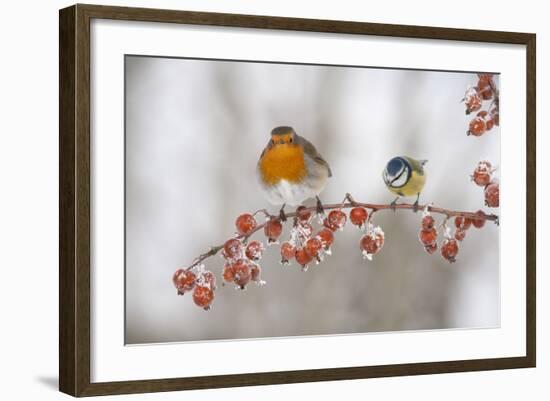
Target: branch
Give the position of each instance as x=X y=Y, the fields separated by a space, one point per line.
x=349 y=203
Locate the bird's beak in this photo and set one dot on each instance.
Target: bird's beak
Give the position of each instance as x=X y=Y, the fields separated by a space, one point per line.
x=281 y=141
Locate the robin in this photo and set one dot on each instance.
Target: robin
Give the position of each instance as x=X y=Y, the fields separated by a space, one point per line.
x=405 y=176
x=291 y=170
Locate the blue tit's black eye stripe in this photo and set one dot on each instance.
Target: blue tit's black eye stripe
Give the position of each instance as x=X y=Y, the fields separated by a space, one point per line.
x=398 y=177
x=406 y=166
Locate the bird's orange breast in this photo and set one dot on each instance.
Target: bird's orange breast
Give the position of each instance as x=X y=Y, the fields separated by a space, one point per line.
x=283 y=162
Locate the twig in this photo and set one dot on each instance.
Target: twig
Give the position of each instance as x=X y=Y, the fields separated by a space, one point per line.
x=349 y=202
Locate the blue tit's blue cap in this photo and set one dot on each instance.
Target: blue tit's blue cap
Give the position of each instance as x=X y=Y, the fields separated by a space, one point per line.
x=394 y=166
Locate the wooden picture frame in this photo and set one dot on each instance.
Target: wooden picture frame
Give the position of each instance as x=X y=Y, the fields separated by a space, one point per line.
x=74 y=199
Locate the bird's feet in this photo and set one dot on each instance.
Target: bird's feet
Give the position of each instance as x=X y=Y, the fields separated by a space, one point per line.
x=415 y=205
x=282 y=214
x=320 y=209
x=350 y=199
x=394 y=204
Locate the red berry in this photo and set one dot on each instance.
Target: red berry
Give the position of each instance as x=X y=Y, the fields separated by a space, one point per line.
x=428 y=222
x=302 y=257
x=463 y=222
x=492 y=195
x=478 y=223
x=486 y=93
x=254 y=250
x=336 y=220
x=484 y=86
x=242 y=272
x=460 y=234
x=472 y=100
x=477 y=126
x=232 y=249
x=287 y=251
x=449 y=249
x=327 y=237
x=210 y=279
x=302 y=214
x=358 y=216
x=313 y=246
x=481 y=178
x=487 y=118
x=473 y=103
x=371 y=243
x=245 y=224
x=203 y=297
x=228 y=273
x=255 y=272
x=184 y=280
x=427 y=237
x=482 y=174
x=431 y=248
x=273 y=229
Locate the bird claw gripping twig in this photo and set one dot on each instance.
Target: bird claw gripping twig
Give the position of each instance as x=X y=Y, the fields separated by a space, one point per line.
x=320 y=210
x=282 y=214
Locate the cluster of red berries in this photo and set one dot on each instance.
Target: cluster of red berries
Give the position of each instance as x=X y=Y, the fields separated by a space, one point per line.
x=305 y=247
x=240 y=267
x=202 y=283
x=449 y=246
x=474 y=98
x=483 y=176
x=241 y=256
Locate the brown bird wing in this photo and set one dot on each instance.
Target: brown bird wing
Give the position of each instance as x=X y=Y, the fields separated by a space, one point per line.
x=310 y=150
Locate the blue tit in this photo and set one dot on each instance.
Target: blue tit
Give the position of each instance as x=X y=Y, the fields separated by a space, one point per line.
x=405 y=176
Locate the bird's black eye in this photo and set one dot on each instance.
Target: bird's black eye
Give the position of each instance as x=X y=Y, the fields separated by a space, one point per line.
x=290 y=140
x=273 y=141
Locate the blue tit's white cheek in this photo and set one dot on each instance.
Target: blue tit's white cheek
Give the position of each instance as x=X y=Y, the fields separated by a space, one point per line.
x=386 y=177
x=402 y=180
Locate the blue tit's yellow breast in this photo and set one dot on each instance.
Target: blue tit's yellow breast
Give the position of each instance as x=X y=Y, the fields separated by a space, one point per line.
x=413 y=186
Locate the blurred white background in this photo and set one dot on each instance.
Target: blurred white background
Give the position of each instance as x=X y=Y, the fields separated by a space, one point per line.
x=194 y=132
